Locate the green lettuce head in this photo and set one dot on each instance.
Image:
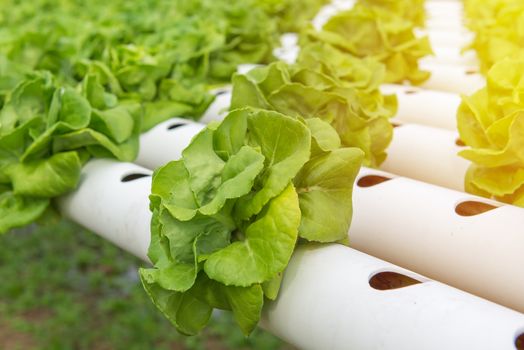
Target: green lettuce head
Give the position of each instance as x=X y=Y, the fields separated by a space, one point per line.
x=166 y=55
x=228 y=215
x=292 y=15
x=369 y=32
x=359 y=114
x=47 y=132
x=491 y=123
x=412 y=10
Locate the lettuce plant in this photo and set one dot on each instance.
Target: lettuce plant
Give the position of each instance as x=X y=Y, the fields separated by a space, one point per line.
x=292 y=15
x=47 y=132
x=371 y=32
x=499 y=30
x=353 y=107
x=491 y=123
x=163 y=54
x=228 y=215
x=412 y=10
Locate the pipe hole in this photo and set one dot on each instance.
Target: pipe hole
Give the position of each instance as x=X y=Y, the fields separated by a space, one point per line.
x=175 y=125
x=371 y=180
x=133 y=176
x=391 y=280
x=460 y=143
x=472 y=208
x=519 y=342
x=471 y=71
x=410 y=92
x=221 y=92
x=396 y=125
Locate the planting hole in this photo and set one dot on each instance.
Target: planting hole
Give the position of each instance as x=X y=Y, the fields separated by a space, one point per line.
x=460 y=143
x=395 y=125
x=472 y=208
x=133 y=176
x=220 y=92
x=175 y=125
x=471 y=71
x=391 y=280
x=371 y=180
x=519 y=342
x=410 y=92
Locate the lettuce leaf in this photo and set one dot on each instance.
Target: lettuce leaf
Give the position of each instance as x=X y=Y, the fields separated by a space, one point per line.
x=47 y=132
x=354 y=106
x=166 y=55
x=412 y=10
x=228 y=215
x=491 y=123
x=292 y=15
x=371 y=32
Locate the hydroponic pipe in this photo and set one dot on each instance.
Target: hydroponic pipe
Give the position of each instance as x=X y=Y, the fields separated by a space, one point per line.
x=424 y=226
x=427 y=154
x=446 y=38
x=452 y=78
x=452 y=56
x=423 y=106
x=332 y=297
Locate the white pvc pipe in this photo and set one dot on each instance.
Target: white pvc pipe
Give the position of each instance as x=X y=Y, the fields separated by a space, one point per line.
x=327 y=303
x=421 y=227
x=452 y=78
x=420 y=222
x=426 y=107
x=452 y=56
x=329 y=298
x=116 y=210
x=439 y=38
x=427 y=154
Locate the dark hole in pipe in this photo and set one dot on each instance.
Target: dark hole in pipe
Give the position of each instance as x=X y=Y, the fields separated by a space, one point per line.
x=519 y=342
x=472 y=208
x=410 y=92
x=134 y=176
x=391 y=280
x=395 y=125
x=175 y=125
x=220 y=92
x=371 y=180
x=460 y=143
x=471 y=71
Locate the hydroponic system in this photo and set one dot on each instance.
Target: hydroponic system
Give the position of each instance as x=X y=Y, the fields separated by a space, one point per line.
x=345 y=174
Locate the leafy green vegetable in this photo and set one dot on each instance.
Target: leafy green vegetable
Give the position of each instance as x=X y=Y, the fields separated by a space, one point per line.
x=491 y=122
x=292 y=15
x=47 y=131
x=412 y=10
x=227 y=216
x=351 y=104
x=163 y=54
x=499 y=29
x=371 y=32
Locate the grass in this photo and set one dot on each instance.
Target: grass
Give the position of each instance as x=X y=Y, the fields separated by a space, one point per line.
x=62 y=287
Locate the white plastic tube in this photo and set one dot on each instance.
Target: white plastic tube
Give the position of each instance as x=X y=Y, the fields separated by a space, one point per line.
x=426 y=107
x=452 y=56
x=422 y=230
x=440 y=38
x=332 y=297
x=327 y=303
x=427 y=154
x=452 y=78
x=465 y=241
x=115 y=209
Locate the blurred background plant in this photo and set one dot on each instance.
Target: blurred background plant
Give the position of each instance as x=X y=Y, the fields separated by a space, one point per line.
x=65 y=288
